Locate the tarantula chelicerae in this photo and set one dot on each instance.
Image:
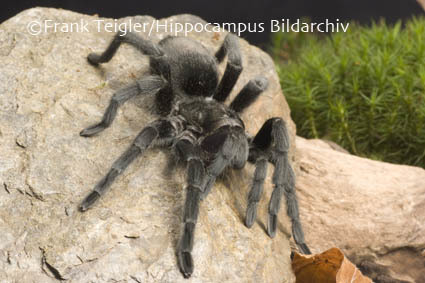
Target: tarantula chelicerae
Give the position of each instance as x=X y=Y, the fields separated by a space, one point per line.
x=208 y=135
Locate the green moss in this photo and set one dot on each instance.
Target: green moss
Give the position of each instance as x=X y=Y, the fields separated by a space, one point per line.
x=364 y=89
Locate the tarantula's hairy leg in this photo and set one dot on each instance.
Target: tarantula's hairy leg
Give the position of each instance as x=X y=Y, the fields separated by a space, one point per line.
x=272 y=141
x=226 y=143
x=249 y=93
x=234 y=68
x=195 y=174
x=292 y=207
x=145 y=46
x=146 y=85
x=161 y=130
x=242 y=150
x=256 y=191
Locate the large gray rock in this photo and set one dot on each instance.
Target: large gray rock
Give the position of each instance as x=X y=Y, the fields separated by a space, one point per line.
x=374 y=211
x=48 y=93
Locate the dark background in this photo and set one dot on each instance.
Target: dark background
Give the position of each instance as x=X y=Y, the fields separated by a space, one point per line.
x=235 y=11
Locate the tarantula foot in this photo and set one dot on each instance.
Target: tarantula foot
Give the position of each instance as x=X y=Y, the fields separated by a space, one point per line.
x=251 y=214
x=261 y=83
x=93 y=59
x=185 y=263
x=92 y=130
x=89 y=201
x=304 y=249
x=271 y=226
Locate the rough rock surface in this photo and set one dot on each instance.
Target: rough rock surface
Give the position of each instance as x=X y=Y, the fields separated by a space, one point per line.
x=48 y=93
x=373 y=211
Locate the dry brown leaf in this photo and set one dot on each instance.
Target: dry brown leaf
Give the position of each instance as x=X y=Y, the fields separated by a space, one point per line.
x=330 y=266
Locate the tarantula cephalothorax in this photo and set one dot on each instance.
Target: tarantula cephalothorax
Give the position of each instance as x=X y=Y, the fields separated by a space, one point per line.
x=205 y=133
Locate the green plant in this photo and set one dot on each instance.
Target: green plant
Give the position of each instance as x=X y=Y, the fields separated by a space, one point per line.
x=364 y=89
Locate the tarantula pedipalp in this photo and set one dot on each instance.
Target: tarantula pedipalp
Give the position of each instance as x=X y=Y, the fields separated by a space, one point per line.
x=205 y=133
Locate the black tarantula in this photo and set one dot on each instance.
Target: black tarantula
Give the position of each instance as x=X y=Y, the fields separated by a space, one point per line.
x=204 y=132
